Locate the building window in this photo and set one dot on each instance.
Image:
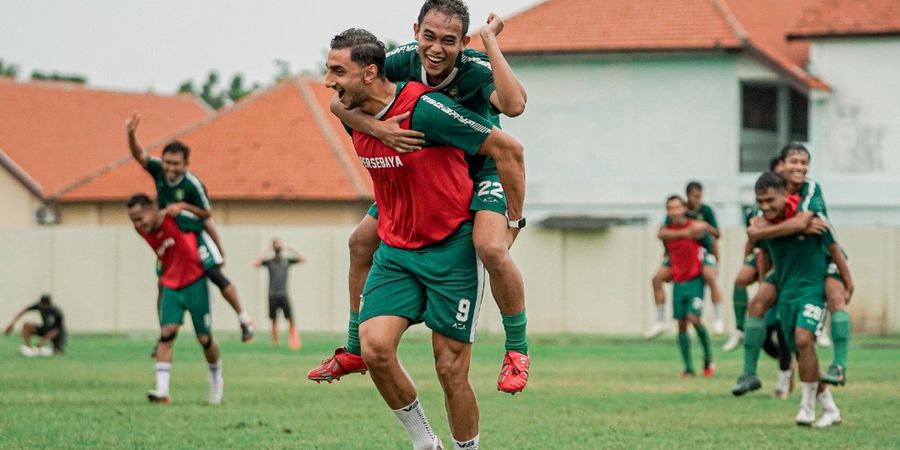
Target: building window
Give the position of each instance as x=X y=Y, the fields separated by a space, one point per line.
x=771 y=116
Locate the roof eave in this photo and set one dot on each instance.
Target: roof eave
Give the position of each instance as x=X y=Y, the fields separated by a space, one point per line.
x=22 y=176
x=829 y=34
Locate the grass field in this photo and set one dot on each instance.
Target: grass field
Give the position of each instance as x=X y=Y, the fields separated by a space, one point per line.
x=586 y=392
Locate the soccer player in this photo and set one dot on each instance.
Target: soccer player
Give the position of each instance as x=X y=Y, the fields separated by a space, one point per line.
x=425 y=268
x=52 y=329
x=699 y=212
x=178 y=189
x=483 y=84
x=174 y=240
x=686 y=258
x=801 y=266
x=278 y=263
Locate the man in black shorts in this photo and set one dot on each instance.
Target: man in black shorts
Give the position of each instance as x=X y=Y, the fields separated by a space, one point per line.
x=278 y=262
x=51 y=330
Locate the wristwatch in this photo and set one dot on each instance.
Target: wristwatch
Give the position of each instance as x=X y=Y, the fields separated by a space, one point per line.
x=518 y=223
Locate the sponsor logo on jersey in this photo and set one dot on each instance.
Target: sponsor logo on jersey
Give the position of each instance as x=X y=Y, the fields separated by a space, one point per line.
x=169 y=242
x=179 y=194
x=450 y=112
x=381 y=162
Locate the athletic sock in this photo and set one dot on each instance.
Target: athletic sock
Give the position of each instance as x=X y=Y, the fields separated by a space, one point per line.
x=754 y=335
x=353 y=334
x=661 y=313
x=162 y=377
x=244 y=318
x=684 y=344
x=717 y=310
x=827 y=401
x=840 y=336
x=413 y=419
x=516 y=339
x=215 y=372
x=809 y=391
x=739 y=299
x=784 y=380
x=703 y=335
x=471 y=444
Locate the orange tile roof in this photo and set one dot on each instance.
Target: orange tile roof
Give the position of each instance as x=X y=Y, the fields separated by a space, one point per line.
x=57 y=132
x=281 y=143
x=574 y=26
x=848 y=18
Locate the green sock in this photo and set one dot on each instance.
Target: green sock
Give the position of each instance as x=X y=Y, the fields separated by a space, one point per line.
x=514 y=325
x=704 y=341
x=840 y=335
x=754 y=335
x=353 y=334
x=739 y=298
x=684 y=344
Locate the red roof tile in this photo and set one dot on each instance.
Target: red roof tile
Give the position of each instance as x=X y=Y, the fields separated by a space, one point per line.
x=848 y=18
x=281 y=143
x=756 y=26
x=58 y=132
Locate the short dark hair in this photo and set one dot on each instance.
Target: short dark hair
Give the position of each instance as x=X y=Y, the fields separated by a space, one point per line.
x=140 y=199
x=177 y=147
x=770 y=180
x=693 y=186
x=773 y=163
x=794 y=147
x=365 y=48
x=452 y=8
x=45 y=299
x=675 y=197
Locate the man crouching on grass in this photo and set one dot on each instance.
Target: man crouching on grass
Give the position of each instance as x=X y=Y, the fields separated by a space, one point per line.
x=183 y=289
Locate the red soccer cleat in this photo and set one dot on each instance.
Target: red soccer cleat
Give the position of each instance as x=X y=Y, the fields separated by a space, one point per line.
x=709 y=369
x=342 y=363
x=514 y=372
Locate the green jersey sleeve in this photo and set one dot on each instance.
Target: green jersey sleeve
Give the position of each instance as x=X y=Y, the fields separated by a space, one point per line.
x=154 y=167
x=195 y=192
x=709 y=216
x=401 y=63
x=811 y=198
x=187 y=221
x=445 y=122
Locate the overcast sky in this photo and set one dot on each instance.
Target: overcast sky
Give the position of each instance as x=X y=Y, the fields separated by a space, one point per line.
x=143 y=44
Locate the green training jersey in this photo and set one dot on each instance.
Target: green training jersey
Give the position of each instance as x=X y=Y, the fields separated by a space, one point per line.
x=470 y=84
x=799 y=262
x=189 y=189
x=811 y=198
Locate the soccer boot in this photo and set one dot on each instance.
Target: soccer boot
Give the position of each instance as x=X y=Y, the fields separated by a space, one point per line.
x=733 y=341
x=514 y=372
x=657 y=329
x=342 y=363
x=156 y=397
x=45 y=351
x=834 y=375
x=746 y=383
x=247 y=332
x=27 y=351
x=709 y=369
x=216 y=392
x=806 y=415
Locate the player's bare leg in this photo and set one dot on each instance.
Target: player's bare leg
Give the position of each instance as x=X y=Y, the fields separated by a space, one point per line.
x=213 y=358
x=276 y=340
x=808 y=362
x=710 y=273
x=230 y=294
x=451 y=359
x=836 y=299
x=293 y=336
x=347 y=359
x=379 y=338
x=490 y=236
x=660 y=278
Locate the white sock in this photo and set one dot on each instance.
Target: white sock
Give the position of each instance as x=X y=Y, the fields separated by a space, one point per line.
x=471 y=444
x=827 y=401
x=162 y=377
x=215 y=372
x=244 y=318
x=784 y=379
x=660 y=313
x=717 y=309
x=809 y=393
x=413 y=419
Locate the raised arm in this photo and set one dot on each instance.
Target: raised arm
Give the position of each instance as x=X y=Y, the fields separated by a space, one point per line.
x=843 y=268
x=12 y=323
x=509 y=96
x=137 y=152
x=295 y=257
x=761 y=229
x=387 y=131
x=509 y=155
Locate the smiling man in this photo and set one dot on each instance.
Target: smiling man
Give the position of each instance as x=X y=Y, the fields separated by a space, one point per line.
x=482 y=83
x=425 y=268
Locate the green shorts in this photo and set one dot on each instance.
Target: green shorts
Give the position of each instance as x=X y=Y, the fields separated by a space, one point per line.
x=193 y=298
x=770 y=277
x=373 y=210
x=687 y=298
x=772 y=316
x=489 y=194
x=804 y=310
x=441 y=285
x=750 y=260
x=834 y=273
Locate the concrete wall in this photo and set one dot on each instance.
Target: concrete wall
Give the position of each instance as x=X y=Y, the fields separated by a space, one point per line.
x=585 y=282
x=855 y=129
x=17 y=204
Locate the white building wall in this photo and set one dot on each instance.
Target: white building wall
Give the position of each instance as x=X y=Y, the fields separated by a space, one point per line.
x=614 y=135
x=855 y=129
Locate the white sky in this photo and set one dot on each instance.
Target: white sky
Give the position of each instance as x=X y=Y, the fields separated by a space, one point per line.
x=143 y=44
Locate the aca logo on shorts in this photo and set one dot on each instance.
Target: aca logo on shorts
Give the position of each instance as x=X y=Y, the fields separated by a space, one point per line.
x=458 y=326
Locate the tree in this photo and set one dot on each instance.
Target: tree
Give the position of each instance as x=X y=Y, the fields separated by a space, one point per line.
x=57 y=76
x=8 y=70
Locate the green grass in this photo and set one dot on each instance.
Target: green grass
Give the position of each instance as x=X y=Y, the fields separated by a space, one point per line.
x=586 y=392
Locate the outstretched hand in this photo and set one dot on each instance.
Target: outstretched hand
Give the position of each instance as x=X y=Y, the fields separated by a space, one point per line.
x=132 y=122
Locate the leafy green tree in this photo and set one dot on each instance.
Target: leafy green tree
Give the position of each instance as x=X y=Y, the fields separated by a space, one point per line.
x=8 y=70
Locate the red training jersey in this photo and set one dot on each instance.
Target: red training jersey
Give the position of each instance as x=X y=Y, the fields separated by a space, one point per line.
x=177 y=251
x=423 y=196
x=685 y=256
